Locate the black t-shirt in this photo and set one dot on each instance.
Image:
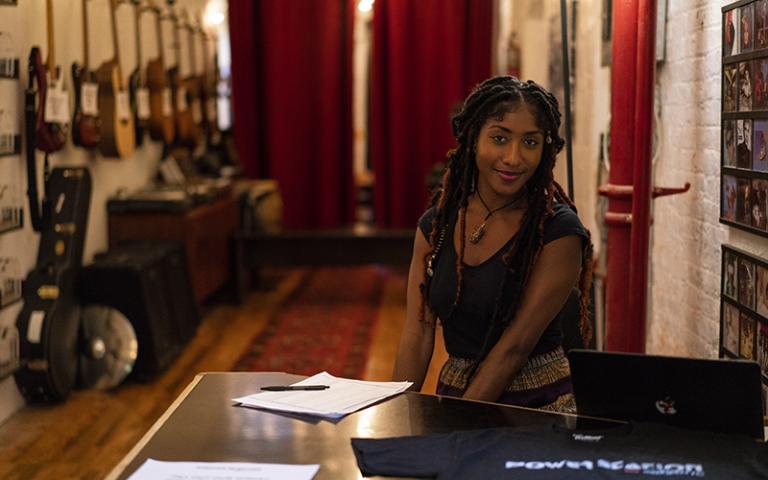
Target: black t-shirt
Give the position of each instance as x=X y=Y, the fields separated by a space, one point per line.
x=466 y=324
x=545 y=452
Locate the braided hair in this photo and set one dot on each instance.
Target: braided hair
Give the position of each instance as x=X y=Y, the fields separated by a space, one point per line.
x=492 y=99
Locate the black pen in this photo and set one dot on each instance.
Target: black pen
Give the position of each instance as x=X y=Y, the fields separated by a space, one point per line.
x=291 y=388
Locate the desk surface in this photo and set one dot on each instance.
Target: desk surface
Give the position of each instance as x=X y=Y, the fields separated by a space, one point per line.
x=203 y=425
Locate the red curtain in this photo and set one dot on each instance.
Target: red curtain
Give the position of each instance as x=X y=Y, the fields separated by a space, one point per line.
x=428 y=54
x=292 y=102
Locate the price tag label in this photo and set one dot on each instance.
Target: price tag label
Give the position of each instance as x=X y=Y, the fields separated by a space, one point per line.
x=123 y=106
x=142 y=104
x=89 y=98
x=167 y=104
x=197 y=111
x=181 y=100
x=56 y=106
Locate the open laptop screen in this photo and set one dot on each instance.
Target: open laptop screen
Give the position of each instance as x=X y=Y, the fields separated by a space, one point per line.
x=703 y=394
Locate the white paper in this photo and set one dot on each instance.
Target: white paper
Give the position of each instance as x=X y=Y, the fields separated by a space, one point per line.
x=56 y=106
x=142 y=103
x=89 y=98
x=35 y=327
x=343 y=397
x=123 y=105
x=157 y=470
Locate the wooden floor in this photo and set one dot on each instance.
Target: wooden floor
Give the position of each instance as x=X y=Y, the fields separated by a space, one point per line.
x=87 y=435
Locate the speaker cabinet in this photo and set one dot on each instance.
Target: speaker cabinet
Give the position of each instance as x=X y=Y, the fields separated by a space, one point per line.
x=149 y=284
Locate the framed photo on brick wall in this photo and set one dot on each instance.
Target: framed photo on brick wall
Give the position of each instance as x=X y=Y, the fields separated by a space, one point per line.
x=744 y=117
x=744 y=308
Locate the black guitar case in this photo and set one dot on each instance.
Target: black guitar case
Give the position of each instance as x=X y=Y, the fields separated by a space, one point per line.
x=50 y=319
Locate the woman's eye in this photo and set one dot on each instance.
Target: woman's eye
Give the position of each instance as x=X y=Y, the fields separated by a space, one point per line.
x=499 y=139
x=530 y=141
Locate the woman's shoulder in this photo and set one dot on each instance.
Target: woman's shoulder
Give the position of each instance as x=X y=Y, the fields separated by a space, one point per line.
x=563 y=222
x=425 y=222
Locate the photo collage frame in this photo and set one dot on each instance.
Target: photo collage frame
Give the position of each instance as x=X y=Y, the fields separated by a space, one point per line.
x=744 y=125
x=744 y=310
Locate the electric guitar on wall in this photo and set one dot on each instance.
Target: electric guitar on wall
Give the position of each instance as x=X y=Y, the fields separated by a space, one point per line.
x=52 y=115
x=85 y=121
x=138 y=83
x=117 y=128
x=161 y=126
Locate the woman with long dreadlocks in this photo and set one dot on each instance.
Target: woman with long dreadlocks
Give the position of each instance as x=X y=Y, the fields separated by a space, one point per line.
x=499 y=252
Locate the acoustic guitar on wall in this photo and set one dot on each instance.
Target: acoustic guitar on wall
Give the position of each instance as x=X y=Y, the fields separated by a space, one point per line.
x=52 y=114
x=194 y=82
x=118 y=136
x=181 y=112
x=208 y=91
x=161 y=120
x=86 y=124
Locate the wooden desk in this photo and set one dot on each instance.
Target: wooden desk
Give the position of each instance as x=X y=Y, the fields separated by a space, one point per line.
x=203 y=425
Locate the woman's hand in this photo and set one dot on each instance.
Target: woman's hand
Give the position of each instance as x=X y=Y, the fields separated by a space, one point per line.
x=554 y=275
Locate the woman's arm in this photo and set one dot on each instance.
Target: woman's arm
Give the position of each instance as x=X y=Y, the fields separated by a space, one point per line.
x=418 y=338
x=552 y=279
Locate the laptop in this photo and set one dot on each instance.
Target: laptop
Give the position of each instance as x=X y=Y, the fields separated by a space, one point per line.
x=702 y=394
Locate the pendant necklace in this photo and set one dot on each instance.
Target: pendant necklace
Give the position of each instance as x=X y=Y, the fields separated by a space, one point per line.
x=477 y=235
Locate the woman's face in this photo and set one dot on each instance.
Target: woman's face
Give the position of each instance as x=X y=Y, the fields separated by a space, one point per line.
x=508 y=151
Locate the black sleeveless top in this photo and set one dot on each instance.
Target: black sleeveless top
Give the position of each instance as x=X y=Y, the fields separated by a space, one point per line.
x=465 y=325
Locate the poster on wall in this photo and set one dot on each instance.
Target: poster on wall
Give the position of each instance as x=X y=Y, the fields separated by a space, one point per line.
x=744 y=308
x=744 y=117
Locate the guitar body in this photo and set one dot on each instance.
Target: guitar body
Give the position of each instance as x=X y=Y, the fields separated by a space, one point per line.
x=50 y=137
x=49 y=322
x=210 y=110
x=195 y=110
x=161 y=125
x=183 y=115
x=118 y=135
x=85 y=127
x=140 y=125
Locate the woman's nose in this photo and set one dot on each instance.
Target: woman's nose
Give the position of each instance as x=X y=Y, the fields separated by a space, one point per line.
x=512 y=153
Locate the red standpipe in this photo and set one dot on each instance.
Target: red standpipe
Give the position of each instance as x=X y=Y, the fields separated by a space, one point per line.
x=619 y=328
x=642 y=172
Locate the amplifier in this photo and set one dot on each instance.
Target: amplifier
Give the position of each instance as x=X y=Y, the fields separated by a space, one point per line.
x=149 y=283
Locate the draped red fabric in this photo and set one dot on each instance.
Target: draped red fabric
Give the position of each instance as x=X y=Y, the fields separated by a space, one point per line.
x=292 y=102
x=428 y=54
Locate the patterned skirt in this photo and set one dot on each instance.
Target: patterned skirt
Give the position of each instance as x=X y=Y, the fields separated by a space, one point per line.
x=544 y=382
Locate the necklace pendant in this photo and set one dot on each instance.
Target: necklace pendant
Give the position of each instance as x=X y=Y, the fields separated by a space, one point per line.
x=478 y=234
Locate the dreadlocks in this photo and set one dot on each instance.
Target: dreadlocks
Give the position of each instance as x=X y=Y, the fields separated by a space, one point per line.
x=492 y=99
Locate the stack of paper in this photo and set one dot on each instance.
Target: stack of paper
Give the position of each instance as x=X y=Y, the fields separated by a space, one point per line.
x=343 y=396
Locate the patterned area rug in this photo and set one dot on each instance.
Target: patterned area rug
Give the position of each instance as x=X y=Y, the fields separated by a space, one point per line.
x=324 y=324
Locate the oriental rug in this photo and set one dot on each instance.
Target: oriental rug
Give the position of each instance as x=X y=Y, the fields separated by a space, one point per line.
x=324 y=324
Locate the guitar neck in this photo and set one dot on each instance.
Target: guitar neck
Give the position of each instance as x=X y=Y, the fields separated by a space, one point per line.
x=137 y=32
x=51 y=60
x=113 y=19
x=192 y=59
x=86 y=55
x=160 y=43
